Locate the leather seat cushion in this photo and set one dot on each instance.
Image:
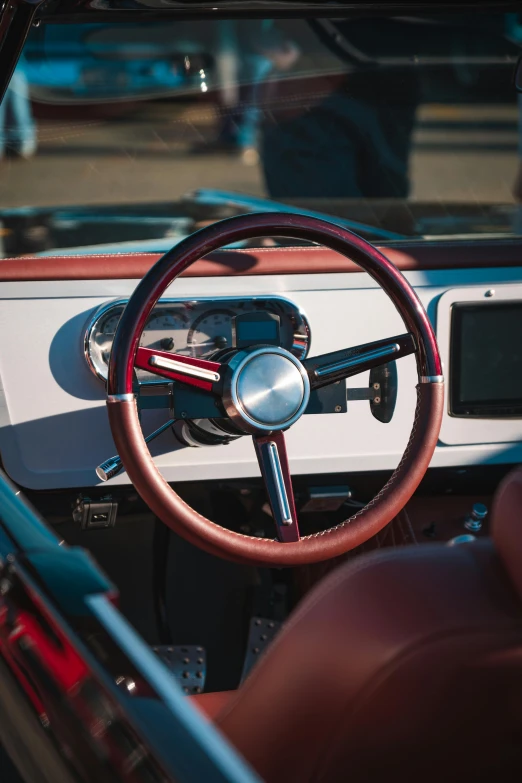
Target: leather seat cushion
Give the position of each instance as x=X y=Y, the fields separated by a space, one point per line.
x=405 y=664
x=400 y=660
x=211 y=704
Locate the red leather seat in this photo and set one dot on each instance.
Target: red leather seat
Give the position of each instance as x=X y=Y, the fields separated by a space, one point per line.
x=403 y=665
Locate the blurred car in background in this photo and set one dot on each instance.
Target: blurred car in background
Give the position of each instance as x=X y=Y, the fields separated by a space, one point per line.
x=101 y=62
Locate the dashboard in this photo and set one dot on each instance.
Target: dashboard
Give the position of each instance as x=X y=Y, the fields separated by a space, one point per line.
x=54 y=429
x=192 y=327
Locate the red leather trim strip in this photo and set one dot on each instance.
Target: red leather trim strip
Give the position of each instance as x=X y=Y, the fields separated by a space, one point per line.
x=263 y=261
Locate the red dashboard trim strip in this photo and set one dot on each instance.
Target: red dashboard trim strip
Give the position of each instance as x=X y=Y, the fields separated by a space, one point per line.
x=263 y=261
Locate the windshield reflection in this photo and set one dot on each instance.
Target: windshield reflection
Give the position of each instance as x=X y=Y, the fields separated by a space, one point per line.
x=399 y=127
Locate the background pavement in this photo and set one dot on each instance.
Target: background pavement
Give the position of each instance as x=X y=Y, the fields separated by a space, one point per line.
x=158 y=151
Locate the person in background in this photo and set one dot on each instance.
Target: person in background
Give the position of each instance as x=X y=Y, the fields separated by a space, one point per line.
x=248 y=51
x=349 y=135
x=17 y=126
x=517 y=187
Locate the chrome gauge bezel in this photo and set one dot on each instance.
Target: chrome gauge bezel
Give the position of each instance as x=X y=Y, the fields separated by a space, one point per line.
x=213 y=303
x=100 y=372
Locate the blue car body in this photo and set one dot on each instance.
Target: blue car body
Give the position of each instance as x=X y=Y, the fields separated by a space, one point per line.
x=78 y=63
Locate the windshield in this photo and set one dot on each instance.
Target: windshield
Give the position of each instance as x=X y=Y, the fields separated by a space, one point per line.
x=131 y=136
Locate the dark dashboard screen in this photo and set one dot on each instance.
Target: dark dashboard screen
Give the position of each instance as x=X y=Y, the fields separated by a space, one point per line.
x=486 y=360
x=258 y=330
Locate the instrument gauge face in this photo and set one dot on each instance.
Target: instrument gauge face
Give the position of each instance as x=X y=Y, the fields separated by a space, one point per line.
x=110 y=324
x=211 y=332
x=166 y=330
x=169 y=328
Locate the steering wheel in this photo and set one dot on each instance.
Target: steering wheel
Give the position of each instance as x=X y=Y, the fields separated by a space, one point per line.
x=263 y=390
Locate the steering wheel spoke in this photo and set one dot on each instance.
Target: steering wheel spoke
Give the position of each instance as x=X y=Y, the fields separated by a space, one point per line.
x=332 y=367
x=199 y=373
x=273 y=461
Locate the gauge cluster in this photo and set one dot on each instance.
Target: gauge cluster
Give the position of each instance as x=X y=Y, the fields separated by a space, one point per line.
x=191 y=327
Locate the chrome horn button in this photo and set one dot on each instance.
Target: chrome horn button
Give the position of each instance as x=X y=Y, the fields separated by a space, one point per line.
x=267 y=390
x=270 y=389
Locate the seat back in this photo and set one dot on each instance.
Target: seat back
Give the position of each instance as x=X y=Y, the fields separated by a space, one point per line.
x=406 y=663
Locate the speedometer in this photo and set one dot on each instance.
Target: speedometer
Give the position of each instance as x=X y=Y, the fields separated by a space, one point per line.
x=211 y=332
x=165 y=330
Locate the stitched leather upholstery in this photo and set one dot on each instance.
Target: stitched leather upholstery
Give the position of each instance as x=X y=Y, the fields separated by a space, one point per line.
x=405 y=664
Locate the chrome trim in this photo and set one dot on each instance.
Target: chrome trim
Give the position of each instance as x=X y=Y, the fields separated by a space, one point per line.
x=282 y=497
x=475 y=519
x=431 y=379
x=99 y=372
x=232 y=402
x=184 y=369
x=379 y=353
x=128 y=397
x=301 y=348
x=110 y=468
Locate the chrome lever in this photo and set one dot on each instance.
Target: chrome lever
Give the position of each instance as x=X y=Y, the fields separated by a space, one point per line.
x=112 y=466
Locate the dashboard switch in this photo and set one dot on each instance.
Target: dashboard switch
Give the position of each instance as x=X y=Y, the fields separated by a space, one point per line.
x=98 y=514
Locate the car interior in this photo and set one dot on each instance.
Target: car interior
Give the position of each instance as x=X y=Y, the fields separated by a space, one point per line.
x=260 y=391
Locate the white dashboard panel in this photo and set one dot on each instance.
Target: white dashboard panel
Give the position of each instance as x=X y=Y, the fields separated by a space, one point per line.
x=53 y=424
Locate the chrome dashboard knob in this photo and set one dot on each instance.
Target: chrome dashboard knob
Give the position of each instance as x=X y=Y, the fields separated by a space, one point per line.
x=110 y=468
x=475 y=519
